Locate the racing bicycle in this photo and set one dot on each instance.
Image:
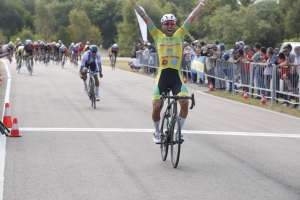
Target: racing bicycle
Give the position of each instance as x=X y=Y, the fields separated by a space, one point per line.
x=170 y=128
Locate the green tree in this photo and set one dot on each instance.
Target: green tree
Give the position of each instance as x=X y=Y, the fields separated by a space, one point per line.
x=81 y=29
x=292 y=19
x=2 y=37
x=247 y=2
x=44 y=21
x=127 y=30
x=26 y=33
x=63 y=35
x=105 y=14
x=225 y=26
x=12 y=17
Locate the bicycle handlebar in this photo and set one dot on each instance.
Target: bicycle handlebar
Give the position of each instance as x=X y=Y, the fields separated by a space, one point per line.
x=176 y=98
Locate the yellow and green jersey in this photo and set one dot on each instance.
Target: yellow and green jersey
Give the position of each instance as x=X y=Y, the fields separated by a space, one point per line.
x=170 y=52
x=169 y=49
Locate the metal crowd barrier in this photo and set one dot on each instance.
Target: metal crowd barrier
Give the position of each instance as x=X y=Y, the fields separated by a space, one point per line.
x=279 y=84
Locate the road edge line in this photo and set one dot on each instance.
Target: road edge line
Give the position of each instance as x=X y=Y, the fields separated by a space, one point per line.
x=3 y=140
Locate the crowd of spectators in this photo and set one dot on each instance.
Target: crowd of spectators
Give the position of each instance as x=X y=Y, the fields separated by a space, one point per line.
x=254 y=69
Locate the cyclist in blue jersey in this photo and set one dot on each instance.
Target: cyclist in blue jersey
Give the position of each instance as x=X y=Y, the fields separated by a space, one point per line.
x=91 y=60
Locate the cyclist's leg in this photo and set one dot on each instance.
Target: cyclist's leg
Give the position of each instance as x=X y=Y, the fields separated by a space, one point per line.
x=97 y=85
x=160 y=87
x=115 y=58
x=180 y=89
x=110 y=60
x=83 y=76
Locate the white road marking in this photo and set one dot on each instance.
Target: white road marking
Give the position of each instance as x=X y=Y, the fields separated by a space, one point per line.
x=3 y=138
x=131 y=130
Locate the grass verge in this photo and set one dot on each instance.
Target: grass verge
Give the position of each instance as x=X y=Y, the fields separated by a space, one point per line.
x=256 y=102
x=120 y=64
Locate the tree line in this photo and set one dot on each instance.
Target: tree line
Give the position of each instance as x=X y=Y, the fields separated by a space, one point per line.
x=268 y=22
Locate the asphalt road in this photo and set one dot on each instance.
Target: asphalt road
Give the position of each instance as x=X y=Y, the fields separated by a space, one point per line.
x=81 y=165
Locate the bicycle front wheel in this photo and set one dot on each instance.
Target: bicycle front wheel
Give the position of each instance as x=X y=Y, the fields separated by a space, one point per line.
x=175 y=142
x=165 y=138
x=92 y=93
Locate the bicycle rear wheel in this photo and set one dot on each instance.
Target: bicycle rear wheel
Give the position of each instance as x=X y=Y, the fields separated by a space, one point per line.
x=165 y=136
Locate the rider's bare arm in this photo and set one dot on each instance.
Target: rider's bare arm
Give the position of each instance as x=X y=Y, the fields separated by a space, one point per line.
x=196 y=12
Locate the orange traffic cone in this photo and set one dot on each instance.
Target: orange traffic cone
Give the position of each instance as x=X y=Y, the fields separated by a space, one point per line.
x=15 y=129
x=7 y=121
x=245 y=95
x=263 y=100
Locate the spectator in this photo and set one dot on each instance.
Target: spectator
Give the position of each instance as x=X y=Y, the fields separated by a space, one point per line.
x=257 y=55
x=197 y=67
x=245 y=71
x=258 y=75
x=294 y=71
x=202 y=44
x=297 y=58
x=264 y=56
x=238 y=56
x=287 y=49
x=297 y=65
x=216 y=53
x=188 y=54
x=221 y=49
x=271 y=60
x=276 y=51
x=146 y=57
x=248 y=53
x=291 y=74
x=134 y=50
x=282 y=81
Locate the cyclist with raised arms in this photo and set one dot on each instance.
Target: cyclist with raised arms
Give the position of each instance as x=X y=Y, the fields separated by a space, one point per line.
x=169 y=45
x=91 y=60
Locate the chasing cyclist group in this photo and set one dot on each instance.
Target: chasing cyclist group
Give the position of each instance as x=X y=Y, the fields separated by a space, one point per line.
x=87 y=55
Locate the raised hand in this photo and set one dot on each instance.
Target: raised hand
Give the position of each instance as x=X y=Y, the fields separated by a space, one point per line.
x=196 y=12
x=202 y=3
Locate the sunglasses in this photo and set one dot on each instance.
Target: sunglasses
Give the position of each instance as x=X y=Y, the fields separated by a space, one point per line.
x=169 y=23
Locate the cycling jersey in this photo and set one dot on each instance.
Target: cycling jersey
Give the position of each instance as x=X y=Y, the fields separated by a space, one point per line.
x=20 y=50
x=170 y=50
x=114 y=49
x=94 y=63
x=28 y=49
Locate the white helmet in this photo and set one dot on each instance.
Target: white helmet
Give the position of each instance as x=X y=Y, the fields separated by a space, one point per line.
x=168 y=17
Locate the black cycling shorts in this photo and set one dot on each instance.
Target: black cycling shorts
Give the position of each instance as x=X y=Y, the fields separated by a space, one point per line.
x=169 y=79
